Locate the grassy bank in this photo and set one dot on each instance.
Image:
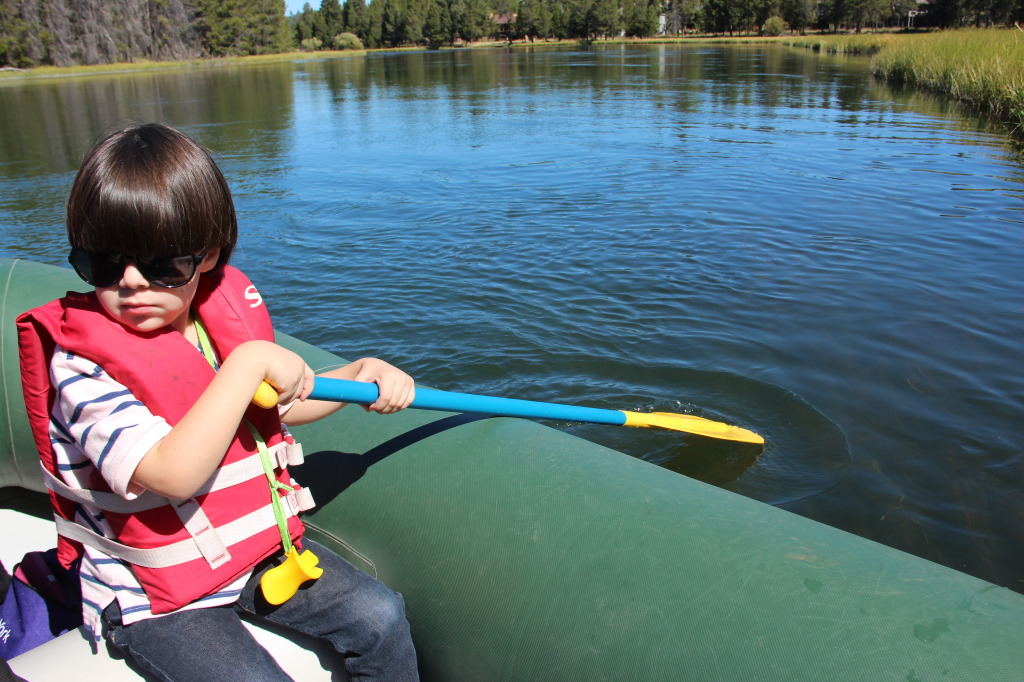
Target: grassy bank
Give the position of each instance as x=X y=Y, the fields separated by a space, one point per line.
x=14 y=75
x=983 y=68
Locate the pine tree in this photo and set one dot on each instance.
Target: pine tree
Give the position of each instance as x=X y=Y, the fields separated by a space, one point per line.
x=243 y=27
x=435 y=26
x=374 y=24
x=333 y=21
x=304 y=23
x=355 y=18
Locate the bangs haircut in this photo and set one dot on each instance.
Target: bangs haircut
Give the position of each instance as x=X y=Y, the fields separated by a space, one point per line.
x=149 y=191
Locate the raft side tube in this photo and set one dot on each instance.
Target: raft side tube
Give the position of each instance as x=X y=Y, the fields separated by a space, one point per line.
x=524 y=553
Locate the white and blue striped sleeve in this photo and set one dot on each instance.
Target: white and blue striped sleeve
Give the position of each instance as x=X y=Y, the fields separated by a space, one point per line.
x=102 y=419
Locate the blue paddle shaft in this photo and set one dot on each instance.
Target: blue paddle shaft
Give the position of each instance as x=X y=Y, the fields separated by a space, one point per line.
x=340 y=390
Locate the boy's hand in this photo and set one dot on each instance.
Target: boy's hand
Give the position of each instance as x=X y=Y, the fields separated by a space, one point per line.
x=289 y=374
x=284 y=370
x=397 y=389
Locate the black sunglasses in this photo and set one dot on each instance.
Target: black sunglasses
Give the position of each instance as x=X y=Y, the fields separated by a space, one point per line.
x=105 y=269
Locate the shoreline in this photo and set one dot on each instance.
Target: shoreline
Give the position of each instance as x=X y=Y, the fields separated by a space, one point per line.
x=981 y=68
x=13 y=74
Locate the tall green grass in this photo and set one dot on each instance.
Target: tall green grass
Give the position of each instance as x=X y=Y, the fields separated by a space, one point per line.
x=981 y=67
x=863 y=43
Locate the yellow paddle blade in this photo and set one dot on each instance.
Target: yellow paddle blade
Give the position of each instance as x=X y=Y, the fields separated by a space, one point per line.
x=690 y=424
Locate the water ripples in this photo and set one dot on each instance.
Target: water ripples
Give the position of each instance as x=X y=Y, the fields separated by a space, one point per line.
x=760 y=236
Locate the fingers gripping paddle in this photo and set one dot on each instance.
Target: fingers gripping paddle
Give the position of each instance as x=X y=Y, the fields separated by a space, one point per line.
x=361 y=393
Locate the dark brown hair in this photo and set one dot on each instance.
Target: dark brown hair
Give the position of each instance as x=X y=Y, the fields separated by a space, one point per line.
x=150 y=190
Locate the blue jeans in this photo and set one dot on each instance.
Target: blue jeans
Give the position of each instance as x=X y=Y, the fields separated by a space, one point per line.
x=358 y=616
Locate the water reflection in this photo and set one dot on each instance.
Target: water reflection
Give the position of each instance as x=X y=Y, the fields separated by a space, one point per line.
x=47 y=126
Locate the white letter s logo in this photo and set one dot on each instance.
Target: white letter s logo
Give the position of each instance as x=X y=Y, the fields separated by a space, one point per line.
x=252 y=295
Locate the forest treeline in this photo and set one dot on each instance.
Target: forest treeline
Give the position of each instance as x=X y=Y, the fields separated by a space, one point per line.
x=69 y=32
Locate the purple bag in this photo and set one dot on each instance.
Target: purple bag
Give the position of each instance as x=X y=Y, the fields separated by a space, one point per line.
x=42 y=600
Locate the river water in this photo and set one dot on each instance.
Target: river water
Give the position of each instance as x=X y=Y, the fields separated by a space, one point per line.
x=758 y=235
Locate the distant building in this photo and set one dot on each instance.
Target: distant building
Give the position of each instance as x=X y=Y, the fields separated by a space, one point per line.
x=504 y=24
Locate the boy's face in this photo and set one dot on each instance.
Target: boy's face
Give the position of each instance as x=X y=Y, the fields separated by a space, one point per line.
x=137 y=305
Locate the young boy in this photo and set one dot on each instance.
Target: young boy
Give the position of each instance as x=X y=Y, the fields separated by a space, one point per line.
x=152 y=450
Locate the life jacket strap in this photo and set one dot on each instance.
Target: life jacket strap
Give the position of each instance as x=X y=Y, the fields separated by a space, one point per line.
x=287 y=454
x=224 y=477
x=177 y=553
x=208 y=539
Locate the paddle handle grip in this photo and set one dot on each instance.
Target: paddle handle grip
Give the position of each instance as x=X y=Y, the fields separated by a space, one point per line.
x=266 y=396
x=361 y=393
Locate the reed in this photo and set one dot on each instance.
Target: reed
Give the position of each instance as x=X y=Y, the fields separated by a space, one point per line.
x=983 y=68
x=864 y=43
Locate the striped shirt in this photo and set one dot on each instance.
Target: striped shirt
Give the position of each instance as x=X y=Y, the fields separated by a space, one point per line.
x=97 y=425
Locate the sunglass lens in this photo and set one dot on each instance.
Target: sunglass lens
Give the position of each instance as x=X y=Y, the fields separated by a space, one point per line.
x=98 y=269
x=168 y=271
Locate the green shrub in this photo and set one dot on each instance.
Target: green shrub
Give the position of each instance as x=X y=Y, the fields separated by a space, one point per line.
x=311 y=44
x=347 y=41
x=774 y=26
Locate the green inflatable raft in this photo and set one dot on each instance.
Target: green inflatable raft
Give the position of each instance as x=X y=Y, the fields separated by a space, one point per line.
x=524 y=553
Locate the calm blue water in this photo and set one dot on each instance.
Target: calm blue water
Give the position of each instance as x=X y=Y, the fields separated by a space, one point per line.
x=757 y=235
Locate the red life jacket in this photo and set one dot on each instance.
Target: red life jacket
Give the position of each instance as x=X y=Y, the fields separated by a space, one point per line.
x=180 y=550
